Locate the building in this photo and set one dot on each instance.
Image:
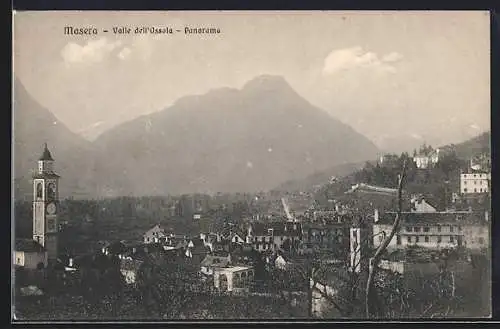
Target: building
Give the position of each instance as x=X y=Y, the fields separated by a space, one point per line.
x=211 y=262
x=46 y=205
x=475 y=182
x=155 y=235
x=274 y=235
x=325 y=236
x=435 y=230
x=29 y=254
x=418 y=204
x=427 y=158
x=234 y=278
x=389 y=161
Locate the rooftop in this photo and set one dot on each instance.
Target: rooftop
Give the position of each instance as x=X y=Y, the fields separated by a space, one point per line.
x=28 y=245
x=233 y=269
x=46 y=156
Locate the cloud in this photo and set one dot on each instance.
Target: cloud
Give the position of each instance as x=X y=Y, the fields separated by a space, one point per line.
x=356 y=57
x=93 y=52
x=392 y=57
x=124 y=53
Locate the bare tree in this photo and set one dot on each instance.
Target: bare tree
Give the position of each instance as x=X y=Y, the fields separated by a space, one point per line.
x=370 y=295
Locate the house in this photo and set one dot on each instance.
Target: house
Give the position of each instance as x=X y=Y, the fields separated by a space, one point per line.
x=427 y=157
x=29 y=254
x=209 y=239
x=274 y=235
x=475 y=182
x=154 y=235
x=129 y=268
x=196 y=250
x=236 y=238
x=325 y=236
x=435 y=230
x=278 y=260
x=233 y=278
x=389 y=161
x=210 y=262
x=418 y=204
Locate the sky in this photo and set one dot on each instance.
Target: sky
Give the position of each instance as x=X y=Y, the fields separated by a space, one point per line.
x=399 y=78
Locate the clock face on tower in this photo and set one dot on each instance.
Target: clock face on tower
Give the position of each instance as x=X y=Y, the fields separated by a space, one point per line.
x=51 y=208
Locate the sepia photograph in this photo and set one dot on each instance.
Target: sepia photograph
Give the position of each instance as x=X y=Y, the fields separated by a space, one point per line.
x=250 y=166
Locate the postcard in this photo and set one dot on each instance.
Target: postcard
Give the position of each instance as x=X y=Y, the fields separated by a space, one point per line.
x=251 y=165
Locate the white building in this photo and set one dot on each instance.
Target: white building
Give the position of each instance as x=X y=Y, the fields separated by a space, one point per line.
x=426 y=160
x=477 y=182
x=30 y=254
x=435 y=230
x=233 y=278
x=155 y=235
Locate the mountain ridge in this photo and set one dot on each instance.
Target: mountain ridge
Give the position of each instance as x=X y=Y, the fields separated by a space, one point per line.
x=227 y=140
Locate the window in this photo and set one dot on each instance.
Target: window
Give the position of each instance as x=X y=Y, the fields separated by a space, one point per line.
x=408 y=239
x=460 y=228
x=426 y=239
x=416 y=229
x=475 y=190
x=263 y=239
x=439 y=239
x=426 y=229
x=452 y=239
x=451 y=228
x=465 y=182
x=408 y=229
x=19 y=260
x=39 y=190
x=417 y=239
x=398 y=239
x=439 y=228
x=51 y=191
x=481 y=240
x=475 y=182
x=465 y=190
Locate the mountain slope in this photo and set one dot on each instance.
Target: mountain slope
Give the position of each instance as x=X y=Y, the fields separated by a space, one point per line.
x=32 y=127
x=474 y=146
x=228 y=140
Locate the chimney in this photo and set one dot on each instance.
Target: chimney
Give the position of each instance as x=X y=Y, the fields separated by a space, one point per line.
x=375 y=216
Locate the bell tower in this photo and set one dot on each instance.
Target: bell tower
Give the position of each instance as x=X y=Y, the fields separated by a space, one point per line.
x=46 y=204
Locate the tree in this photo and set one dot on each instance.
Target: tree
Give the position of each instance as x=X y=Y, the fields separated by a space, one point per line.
x=370 y=294
x=166 y=289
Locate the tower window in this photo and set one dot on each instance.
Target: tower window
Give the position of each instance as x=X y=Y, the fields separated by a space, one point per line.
x=39 y=190
x=51 y=191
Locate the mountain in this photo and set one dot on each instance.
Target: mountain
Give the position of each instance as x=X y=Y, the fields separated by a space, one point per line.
x=33 y=126
x=476 y=146
x=227 y=140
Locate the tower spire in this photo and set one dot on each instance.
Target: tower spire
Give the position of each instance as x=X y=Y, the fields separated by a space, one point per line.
x=46 y=156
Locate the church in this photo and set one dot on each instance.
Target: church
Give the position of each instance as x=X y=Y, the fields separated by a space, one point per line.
x=41 y=251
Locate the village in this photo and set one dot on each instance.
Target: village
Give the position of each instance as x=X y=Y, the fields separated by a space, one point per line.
x=314 y=258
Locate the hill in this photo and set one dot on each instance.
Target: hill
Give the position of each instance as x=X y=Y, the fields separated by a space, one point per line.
x=228 y=140
x=430 y=182
x=33 y=126
x=473 y=147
